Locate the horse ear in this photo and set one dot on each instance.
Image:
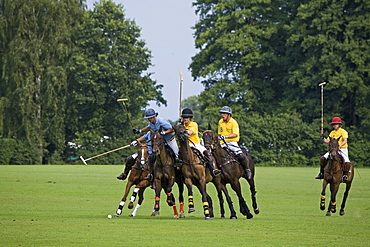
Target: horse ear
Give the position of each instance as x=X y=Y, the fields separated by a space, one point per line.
x=209 y=126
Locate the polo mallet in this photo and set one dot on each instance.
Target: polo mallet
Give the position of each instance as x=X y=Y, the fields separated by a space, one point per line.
x=128 y=115
x=84 y=160
x=181 y=80
x=322 y=109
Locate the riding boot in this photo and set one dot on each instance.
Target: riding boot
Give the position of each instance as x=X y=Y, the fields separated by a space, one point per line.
x=129 y=163
x=210 y=161
x=244 y=162
x=322 y=166
x=151 y=160
x=346 y=168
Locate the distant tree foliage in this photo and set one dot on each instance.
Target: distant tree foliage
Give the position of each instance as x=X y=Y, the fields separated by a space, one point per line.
x=35 y=48
x=109 y=64
x=265 y=59
x=62 y=70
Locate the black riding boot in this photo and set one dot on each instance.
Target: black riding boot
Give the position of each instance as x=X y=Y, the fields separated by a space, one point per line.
x=244 y=162
x=322 y=166
x=129 y=163
x=210 y=161
x=151 y=160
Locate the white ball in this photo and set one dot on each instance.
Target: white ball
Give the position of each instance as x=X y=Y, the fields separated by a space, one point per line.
x=109 y=216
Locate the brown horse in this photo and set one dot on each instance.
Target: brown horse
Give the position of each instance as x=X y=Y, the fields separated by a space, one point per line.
x=165 y=173
x=137 y=174
x=232 y=171
x=195 y=173
x=333 y=176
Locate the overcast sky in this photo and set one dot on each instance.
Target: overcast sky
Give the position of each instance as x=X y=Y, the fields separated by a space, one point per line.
x=166 y=28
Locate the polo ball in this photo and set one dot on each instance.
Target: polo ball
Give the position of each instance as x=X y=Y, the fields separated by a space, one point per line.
x=109 y=216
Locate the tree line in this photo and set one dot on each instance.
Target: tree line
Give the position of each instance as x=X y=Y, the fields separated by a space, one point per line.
x=265 y=60
x=63 y=67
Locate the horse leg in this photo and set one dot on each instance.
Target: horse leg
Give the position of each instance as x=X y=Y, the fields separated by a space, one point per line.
x=143 y=185
x=333 y=203
x=322 y=200
x=171 y=199
x=158 y=188
x=189 y=185
x=252 y=188
x=133 y=197
x=244 y=210
x=180 y=185
x=342 y=206
x=140 y=201
x=202 y=190
x=123 y=200
x=210 y=206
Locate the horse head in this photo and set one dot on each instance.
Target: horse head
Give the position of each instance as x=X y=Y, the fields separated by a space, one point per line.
x=157 y=141
x=181 y=133
x=209 y=139
x=143 y=156
x=333 y=148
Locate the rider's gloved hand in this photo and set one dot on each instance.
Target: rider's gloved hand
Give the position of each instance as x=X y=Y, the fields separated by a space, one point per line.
x=134 y=143
x=163 y=132
x=136 y=131
x=221 y=138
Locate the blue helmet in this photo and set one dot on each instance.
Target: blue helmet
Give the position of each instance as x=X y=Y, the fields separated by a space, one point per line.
x=226 y=109
x=150 y=112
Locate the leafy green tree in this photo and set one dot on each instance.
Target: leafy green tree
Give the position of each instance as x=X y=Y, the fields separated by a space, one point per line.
x=35 y=47
x=329 y=41
x=109 y=64
x=242 y=46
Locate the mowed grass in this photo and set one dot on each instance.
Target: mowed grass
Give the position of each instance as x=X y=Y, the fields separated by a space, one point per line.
x=68 y=206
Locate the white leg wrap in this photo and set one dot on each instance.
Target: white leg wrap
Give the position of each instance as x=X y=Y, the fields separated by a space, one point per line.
x=135 y=210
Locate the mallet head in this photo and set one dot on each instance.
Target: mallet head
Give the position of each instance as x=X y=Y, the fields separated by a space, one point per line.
x=120 y=100
x=82 y=158
x=322 y=83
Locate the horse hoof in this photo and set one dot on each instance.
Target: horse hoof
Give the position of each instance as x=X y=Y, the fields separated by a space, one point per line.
x=182 y=215
x=322 y=208
x=328 y=214
x=130 y=215
x=207 y=218
x=341 y=213
x=249 y=216
x=191 y=210
x=130 y=205
x=176 y=217
x=116 y=215
x=257 y=211
x=234 y=217
x=155 y=213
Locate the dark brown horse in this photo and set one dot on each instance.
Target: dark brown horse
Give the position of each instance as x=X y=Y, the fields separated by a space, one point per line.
x=137 y=174
x=333 y=176
x=165 y=173
x=195 y=173
x=232 y=171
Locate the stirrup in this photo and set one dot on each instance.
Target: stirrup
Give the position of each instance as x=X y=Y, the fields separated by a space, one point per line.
x=320 y=176
x=216 y=172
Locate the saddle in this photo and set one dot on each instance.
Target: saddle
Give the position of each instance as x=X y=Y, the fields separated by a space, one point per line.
x=170 y=151
x=199 y=155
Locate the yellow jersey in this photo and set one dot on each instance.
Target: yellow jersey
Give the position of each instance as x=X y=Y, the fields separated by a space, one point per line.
x=193 y=138
x=228 y=128
x=340 y=133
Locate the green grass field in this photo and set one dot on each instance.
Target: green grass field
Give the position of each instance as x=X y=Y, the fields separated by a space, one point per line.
x=68 y=206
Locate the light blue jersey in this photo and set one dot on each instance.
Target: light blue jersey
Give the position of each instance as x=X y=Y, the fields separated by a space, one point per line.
x=155 y=127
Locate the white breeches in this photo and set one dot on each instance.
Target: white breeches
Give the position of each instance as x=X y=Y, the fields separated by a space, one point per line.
x=343 y=152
